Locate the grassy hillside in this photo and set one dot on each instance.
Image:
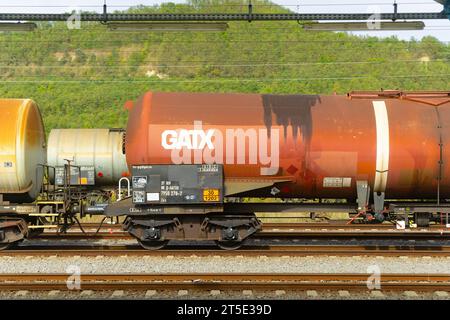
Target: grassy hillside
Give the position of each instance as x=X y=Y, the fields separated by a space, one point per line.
x=81 y=78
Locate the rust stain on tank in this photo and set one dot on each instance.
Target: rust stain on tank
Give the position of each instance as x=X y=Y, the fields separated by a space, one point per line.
x=290 y=110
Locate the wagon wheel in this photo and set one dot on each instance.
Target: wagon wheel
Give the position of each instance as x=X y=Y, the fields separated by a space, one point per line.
x=229 y=245
x=153 y=244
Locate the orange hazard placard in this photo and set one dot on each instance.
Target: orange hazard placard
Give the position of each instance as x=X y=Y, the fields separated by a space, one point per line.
x=211 y=195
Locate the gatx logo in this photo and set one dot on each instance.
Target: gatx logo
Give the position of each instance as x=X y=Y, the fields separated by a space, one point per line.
x=190 y=139
x=224 y=146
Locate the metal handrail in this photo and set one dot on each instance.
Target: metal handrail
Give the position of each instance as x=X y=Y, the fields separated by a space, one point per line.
x=120 y=188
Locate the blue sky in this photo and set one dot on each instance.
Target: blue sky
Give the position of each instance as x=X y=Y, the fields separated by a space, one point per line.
x=437 y=28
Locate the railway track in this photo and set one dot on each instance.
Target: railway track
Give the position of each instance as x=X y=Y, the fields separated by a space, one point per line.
x=225 y=281
x=280 y=230
x=337 y=224
x=248 y=251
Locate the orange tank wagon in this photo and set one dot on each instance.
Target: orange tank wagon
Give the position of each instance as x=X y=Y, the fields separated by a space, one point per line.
x=307 y=146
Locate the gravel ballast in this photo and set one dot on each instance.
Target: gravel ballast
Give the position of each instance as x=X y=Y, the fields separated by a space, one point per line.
x=217 y=264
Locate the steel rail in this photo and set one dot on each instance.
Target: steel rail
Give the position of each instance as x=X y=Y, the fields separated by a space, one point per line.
x=289 y=225
x=275 y=234
x=339 y=225
x=333 y=224
x=225 y=281
x=221 y=16
x=360 y=234
x=248 y=251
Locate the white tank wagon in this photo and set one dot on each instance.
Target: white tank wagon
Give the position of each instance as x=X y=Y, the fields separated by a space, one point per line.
x=102 y=149
x=22 y=150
